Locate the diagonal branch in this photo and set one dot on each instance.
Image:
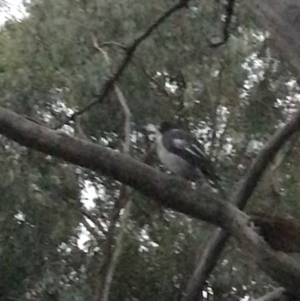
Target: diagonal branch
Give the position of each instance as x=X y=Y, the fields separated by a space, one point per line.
x=130 y=50
x=98 y=237
x=117 y=251
x=127 y=199
x=239 y=197
x=247 y=185
x=276 y=295
x=229 y=14
x=106 y=272
x=169 y=191
x=93 y=219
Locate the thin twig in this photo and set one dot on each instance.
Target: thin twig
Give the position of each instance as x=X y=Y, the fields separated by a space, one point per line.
x=93 y=219
x=104 y=284
x=116 y=44
x=99 y=239
x=108 y=85
x=127 y=200
x=226 y=34
x=107 y=247
x=47 y=48
x=127 y=127
x=117 y=251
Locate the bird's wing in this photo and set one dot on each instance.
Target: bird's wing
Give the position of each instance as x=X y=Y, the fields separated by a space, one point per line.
x=188 y=147
x=184 y=144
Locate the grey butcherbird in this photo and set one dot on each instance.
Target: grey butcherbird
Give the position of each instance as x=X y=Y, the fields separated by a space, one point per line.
x=181 y=153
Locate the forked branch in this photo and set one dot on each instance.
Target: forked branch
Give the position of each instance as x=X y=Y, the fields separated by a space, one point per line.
x=239 y=197
x=130 y=50
x=169 y=191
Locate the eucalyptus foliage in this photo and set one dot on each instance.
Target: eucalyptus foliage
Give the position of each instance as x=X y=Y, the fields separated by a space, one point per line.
x=55 y=61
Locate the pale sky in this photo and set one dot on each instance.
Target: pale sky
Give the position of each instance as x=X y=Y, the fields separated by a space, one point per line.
x=14 y=9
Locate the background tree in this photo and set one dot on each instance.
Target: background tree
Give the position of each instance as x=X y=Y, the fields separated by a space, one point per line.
x=54 y=62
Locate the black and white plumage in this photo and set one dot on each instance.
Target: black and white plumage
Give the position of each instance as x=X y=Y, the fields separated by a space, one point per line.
x=181 y=153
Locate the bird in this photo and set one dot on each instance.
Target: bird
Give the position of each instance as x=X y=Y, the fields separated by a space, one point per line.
x=181 y=153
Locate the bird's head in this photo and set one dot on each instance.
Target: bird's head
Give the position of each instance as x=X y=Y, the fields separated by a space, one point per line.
x=165 y=126
x=161 y=129
x=151 y=128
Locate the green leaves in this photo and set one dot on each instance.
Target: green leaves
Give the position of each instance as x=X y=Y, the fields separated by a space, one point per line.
x=232 y=98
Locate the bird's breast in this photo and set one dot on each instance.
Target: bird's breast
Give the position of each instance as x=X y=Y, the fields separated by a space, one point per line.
x=175 y=164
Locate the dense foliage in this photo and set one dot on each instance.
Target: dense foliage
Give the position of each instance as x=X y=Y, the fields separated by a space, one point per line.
x=55 y=61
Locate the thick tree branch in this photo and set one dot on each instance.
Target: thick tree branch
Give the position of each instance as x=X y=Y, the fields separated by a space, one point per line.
x=239 y=197
x=170 y=191
x=130 y=50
